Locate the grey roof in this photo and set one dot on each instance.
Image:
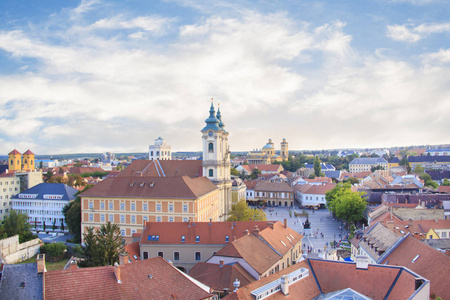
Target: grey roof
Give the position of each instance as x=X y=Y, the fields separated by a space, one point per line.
x=21 y=281
x=438 y=175
x=67 y=192
x=368 y=161
x=418 y=159
x=333 y=174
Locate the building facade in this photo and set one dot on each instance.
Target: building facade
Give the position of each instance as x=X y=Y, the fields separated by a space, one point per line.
x=274 y=193
x=366 y=163
x=160 y=150
x=267 y=155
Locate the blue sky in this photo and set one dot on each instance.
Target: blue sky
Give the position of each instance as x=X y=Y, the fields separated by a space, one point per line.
x=95 y=76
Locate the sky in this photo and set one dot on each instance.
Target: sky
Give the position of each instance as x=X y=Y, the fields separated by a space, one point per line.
x=103 y=75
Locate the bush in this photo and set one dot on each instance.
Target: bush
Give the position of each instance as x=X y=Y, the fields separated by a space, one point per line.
x=54 y=250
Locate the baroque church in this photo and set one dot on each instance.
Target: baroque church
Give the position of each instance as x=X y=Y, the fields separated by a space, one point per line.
x=267 y=156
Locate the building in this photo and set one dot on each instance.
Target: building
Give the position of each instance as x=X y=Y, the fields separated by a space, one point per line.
x=216 y=159
x=325 y=279
x=43 y=204
x=437 y=152
x=187 y=243
x=274 y=193
x=309 y=195
x=145 y=279
x=238 y=190
x=265 y=169
x=160 y=150
x=430 y=162
x=267 y=156
x=366 y=163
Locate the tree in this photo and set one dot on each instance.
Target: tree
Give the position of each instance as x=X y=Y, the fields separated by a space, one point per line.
x=419 y=169
x=255 y=173
x=431 y=183
x=424 y=176
x=72 y=215
x=241 y=212
x=446 y=182
x=317 y=167
x=404 y=162
x=352 y=180
x=54 y=250
x=375 y=168
x=234 y=172
x=17 y=223
x=102 y=248
x=345 y=204
x=312 y=176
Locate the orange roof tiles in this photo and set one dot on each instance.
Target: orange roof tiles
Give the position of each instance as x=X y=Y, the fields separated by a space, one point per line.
x=133 y=249
x=14 y=152
x=28 y=152
x=315 y=189
x=278 y=235
x=166 y=282
x=273 y=186
x=163 y=168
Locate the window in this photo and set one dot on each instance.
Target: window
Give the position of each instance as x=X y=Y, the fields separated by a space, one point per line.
x=158 y=219
x=122 y=219
x=211 y=173
x=227 y=239
x=122 y=206
x=176 y=256
x=185 y=208
x=133 y=219
x=145 y=254
x=444 y=235
x=185 y=219
x=183 y=239
x=145 y=207
x=102 y=205
x=111 y=218
x=170 y=219
x=133 y=206
x=91 y=217
x=198 y=256
x=145 y=218
x=151 y=153
x=91 y=205
x=170 y=207
x=122 y=232
x=197 y=238
x=158 y=206
x=111 y=206
x=210 y=147
x=161 y=254
x=102 y=218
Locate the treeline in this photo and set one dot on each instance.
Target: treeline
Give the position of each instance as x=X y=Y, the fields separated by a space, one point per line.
x=299 y=161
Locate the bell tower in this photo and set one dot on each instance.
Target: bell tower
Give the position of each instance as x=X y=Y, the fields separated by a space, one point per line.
x=28 y=160
x=284 y=150
x=14 y=160
x=216 y=159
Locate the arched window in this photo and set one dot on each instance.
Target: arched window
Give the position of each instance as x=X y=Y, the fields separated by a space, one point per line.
x=211 y=147
x=211 y=173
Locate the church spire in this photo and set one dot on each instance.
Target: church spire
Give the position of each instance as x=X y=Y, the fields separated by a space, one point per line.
x=212 y=123
x=219 y=117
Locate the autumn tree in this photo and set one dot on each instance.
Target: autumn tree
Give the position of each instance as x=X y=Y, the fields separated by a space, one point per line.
x=241 y=212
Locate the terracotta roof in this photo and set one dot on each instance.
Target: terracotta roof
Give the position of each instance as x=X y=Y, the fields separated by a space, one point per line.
x=273 y=186
x=14 y=152
x=265 y=168
x=221 y=277
x=251 y=184
x=430 y=264
x=28 y=152
x=374 y=282
x=134 y=251
x=306 y=288
x=253 y=250
x=81 y=170
x=213 y=233
x=444 y=189
x=319 y=179
x=163 y=168
x=166 y=282
x=280 y=238
x=315 y=189
x=152 y=187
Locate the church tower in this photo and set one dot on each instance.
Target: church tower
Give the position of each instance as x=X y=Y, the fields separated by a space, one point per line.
x=14 y=160
x=284 y=150
x=28 y=161
x=216 y=159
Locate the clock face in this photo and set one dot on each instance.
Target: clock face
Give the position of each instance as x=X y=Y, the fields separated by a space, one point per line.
x=210 y=133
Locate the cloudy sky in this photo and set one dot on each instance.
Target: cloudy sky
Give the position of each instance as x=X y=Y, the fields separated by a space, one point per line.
x=102 y=75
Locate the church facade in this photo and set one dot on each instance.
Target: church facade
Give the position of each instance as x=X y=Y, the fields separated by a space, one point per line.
x=267 y=156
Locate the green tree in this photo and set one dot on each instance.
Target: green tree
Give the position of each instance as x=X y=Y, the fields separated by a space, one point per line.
x=404 y=162
x=17 y=223
x=234 y=172
x=446 y=182
x=424 y=176
x=352 y=180
x=345 y=204
x=375 y=168
x=103 y=247
x=241 y=212
x=431 y=183
x=312 y=176
x=54 y=250
x=72 y=215
x=255 y=173
x=419 y=169
x=317 y=167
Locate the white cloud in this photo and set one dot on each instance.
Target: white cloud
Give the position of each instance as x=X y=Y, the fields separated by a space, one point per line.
x=409 y=33
x=148 y=23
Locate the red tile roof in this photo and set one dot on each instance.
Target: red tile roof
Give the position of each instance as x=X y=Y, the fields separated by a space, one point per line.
x=14 y=152
x=315 y=189
x=264 y=168
x=431 y=264
x=280 y=238
x=133 y=249
x=163 y=168
x=444 y=189
x=213 y=233
x=152 y=187
x=221 y=277
x=273 y=186
x=28 y=152
x=166 y=282
x=81 y=170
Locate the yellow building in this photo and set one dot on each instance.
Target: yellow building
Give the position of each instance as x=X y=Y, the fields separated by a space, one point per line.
x=15 y=160
x=28 y=160
x=267 y=154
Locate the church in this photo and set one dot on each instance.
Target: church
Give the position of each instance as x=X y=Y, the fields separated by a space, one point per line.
x=267 y=156
x=161 y=190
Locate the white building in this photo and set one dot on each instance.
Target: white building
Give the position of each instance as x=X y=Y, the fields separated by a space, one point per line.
x=310 y=195
x=160 y=151
x=44 y=204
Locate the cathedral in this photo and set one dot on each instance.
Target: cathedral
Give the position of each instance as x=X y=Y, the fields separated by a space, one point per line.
x=267 y=156
x=216 y=159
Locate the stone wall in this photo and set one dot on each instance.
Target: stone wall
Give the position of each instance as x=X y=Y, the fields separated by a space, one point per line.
x=13 y=252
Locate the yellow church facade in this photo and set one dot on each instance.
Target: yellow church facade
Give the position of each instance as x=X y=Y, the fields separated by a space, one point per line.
x=267 y=156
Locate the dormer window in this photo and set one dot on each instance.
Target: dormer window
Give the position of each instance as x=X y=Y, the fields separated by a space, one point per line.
x=183 y=239
x=227 y=239
x=197 y=239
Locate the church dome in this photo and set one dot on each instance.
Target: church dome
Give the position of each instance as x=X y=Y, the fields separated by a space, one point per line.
x=268 y=146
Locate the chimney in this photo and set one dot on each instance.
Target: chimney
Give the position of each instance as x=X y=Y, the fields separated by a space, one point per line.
x=270 y=224
x=221 y=263
x=40 y=261
x=145 y=224
x=362 y=262
x=73 y=265
x=123 y=259
x=117 y=272
x=255 y=231
x=285 y=223
x=285 y=285
x=246 y=232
